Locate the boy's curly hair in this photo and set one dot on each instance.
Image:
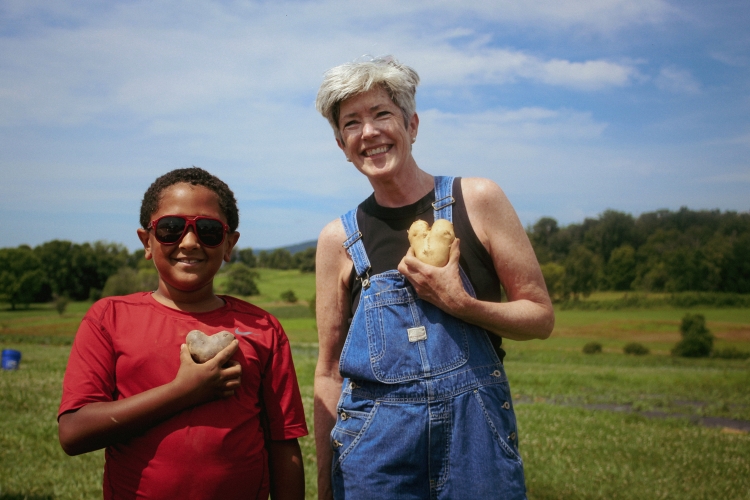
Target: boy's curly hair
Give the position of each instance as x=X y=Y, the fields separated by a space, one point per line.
x=197 y=177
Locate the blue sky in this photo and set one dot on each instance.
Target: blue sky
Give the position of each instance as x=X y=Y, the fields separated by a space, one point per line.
x=572 y=107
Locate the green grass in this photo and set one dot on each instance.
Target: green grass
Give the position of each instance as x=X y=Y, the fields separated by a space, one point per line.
x=570 y=452
x=272 y=282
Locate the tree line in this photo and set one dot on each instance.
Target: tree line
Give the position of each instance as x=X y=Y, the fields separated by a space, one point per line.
x=661 y=251
x=88 y=271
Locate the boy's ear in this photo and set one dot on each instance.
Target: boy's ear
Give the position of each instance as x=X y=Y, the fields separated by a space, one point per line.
x=143 y=235
x=231 y=242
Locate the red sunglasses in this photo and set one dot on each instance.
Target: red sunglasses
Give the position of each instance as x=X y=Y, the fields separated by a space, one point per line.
x=170 y=229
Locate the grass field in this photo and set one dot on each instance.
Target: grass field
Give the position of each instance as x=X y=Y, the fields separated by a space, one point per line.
x=586 y=422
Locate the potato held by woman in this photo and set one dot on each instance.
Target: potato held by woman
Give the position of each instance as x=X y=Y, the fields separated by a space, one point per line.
x=432 y=245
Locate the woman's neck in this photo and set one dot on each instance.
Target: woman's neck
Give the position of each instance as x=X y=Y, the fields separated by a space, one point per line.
x=404 y=189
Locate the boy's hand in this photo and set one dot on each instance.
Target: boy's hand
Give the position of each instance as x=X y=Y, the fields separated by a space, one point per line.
x=216 y=378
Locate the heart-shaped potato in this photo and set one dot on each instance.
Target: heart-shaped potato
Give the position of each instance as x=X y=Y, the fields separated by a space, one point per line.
x=432 y=245
x=203 y=347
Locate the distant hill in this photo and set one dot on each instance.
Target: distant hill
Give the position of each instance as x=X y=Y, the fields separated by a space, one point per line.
x=292 y=248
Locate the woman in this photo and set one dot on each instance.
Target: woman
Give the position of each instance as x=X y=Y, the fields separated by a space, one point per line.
x=411 y=398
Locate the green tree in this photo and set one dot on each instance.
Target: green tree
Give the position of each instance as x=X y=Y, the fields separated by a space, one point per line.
x=21 y=277
x=697 y=341
x=541 y=235
x=247 y=257
x=619 y=272
x=554 y=278
x=241 y=280
x=611 y=230
x=581 y=271
x=75 y=269
x=305 y=260
x=289 y=296
x=735 y=269
x=280 y=258
x=127 y=280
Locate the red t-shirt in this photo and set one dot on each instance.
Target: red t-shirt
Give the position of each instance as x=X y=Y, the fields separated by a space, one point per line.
x=127 y=345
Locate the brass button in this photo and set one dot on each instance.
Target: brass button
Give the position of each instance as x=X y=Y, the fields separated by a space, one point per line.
x=337 y=444
x=512 y=436
x=506 y=405
x=344 y=416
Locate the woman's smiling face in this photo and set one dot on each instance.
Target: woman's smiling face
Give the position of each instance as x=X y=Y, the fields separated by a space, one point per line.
x=373 y=134
x=187 y=266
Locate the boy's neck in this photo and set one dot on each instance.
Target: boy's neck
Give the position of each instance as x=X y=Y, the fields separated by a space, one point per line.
x=193 y=301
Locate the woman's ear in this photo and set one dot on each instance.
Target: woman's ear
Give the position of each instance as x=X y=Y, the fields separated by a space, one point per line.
x=414 y=126
x=145 y=238
x=231 y=242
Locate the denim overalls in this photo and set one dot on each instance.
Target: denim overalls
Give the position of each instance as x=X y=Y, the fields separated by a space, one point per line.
x=425 y=411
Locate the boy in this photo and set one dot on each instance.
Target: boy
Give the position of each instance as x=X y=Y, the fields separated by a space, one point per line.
x=173 y=428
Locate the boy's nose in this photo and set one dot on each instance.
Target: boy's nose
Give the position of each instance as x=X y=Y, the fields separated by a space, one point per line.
x=189 y=239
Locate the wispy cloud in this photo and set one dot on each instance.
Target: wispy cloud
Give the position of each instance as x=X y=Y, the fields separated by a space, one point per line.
x=673 y=79
x=573 y=107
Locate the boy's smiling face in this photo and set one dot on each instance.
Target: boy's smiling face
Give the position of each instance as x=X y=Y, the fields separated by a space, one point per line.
x=187 y=268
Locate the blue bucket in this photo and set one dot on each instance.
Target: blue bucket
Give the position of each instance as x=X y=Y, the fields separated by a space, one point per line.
x=11 y=359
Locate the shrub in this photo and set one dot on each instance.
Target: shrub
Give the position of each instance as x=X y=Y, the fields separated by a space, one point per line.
x=241 y=280
x=311 y=305
x=730 y=353
x=592 y=348
x=61 y=303
x=636 y=349
x=697 y=340
x=289 y=296
x=127 y=280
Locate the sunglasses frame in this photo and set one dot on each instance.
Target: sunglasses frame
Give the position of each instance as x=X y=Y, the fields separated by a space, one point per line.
x=190 y=221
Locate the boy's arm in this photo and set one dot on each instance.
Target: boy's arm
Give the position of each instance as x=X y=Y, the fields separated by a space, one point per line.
x=101 y=424
x=287 y=472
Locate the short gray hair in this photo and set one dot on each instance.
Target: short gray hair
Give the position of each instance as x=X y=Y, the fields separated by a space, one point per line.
x=350 y=79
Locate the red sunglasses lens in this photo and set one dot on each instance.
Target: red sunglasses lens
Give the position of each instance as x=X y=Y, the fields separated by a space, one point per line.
x=169 y=230
x=210 y=231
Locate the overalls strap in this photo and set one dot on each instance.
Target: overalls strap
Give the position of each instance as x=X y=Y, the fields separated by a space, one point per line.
x=354 y=246
x=444 y=200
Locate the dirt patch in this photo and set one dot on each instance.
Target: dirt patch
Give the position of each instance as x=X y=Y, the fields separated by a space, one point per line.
x=740 y=335
x=726 y=424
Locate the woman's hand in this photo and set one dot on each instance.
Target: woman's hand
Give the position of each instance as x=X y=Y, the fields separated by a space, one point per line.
x=440 y=286
x=217 y=378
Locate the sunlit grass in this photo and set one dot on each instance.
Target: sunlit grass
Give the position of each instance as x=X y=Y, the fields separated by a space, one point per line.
x=570 y=452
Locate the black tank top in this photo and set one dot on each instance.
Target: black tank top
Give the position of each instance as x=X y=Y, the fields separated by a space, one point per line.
x=384 y=235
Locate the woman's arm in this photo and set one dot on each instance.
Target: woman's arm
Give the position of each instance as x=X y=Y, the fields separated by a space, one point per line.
x=287 y=472
x=98 y=425
x=528 y=314
x=332 y=300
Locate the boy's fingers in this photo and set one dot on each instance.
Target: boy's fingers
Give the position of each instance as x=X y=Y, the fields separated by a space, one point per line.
x=232 y=369
x=185 y=354
x=226 y=353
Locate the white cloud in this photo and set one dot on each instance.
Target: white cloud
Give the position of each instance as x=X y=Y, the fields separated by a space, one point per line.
x=133 y=59
x=98 y=98
x=673 y=79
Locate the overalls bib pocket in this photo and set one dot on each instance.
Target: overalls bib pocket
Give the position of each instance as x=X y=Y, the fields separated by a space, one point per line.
x=409 y=338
